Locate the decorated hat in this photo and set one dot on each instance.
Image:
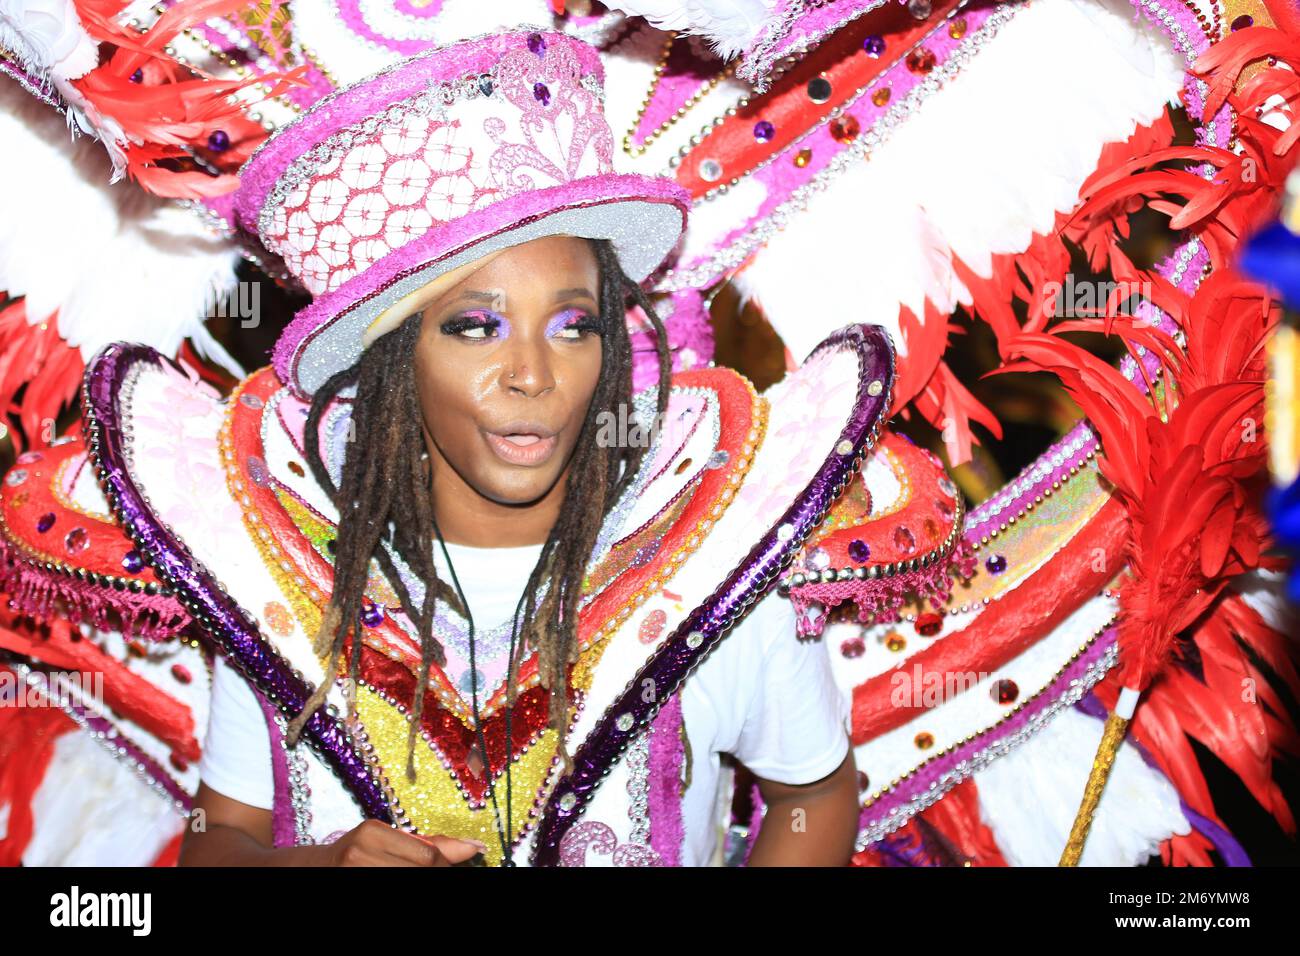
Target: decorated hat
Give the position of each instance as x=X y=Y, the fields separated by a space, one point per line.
x=433 y=165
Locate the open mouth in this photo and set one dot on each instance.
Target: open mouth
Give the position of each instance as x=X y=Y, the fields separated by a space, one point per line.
x=522 y=447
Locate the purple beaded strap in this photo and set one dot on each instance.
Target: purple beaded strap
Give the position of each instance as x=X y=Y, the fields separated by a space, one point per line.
x=196 y=588
x=704 y=627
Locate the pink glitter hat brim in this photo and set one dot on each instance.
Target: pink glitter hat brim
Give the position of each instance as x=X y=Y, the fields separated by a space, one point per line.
x=643 y=216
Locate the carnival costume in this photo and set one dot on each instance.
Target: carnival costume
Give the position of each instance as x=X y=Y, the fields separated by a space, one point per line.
x=828 y=148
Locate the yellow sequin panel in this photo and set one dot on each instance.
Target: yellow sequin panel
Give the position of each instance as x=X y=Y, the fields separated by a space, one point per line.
x=1282 y=410
x=270 y=27
x=313 y=528
x=1258 y=12
x=433 y=802
x=1036 y=536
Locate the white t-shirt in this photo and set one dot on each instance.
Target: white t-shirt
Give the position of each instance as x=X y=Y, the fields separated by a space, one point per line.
x=762 y=695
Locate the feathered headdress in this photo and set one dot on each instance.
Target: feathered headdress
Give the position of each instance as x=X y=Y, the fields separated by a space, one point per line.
x=1187 y=459
x=172 y=129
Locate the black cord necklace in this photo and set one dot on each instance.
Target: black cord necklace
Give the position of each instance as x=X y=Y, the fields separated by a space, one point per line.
x=505 y=833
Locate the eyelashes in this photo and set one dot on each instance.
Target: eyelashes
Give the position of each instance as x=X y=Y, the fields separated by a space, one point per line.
x=480 y=325
x=578 y=321
x=476 y=324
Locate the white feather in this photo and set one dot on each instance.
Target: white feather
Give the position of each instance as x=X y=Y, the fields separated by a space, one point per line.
x=92 y=810
x=1029 y=798
x=1264 y=590
x=47 y=36
x=730 y=26
x=982 y=165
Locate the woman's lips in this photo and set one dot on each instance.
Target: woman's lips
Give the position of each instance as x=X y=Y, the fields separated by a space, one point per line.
x=522 y=449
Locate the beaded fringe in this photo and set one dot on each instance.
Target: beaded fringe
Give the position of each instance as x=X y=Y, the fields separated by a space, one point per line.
x=880 y=600
x=43 y=594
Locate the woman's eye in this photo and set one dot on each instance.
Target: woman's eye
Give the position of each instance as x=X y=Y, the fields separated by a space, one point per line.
x=579 y=324
x=472 y=325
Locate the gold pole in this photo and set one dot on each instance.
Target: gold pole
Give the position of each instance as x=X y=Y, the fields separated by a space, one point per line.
x=1111 y=738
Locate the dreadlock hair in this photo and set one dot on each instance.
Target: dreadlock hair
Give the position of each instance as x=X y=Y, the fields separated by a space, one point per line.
x=386 y=481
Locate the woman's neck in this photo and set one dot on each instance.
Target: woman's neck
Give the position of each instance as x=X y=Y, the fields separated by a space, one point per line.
x=491 y=531
x=465 y=517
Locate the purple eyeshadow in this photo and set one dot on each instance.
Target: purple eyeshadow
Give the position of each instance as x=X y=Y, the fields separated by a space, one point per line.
x=563 y=319
x=503 y=324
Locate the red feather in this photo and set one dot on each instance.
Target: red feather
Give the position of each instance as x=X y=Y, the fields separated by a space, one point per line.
x=171 y=112
x=957 y=817
x=1187 y=462
x=1191 y=483
x=36 y=362
x=1222 y=63
x=1246 y=731
x=934 y=391
x=27 y=739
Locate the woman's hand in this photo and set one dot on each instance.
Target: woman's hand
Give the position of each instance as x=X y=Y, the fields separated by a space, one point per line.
x=371 y=843
x=226 y=832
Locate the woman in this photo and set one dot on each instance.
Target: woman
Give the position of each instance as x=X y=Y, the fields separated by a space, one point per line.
x=492 y=602
x=501 y=397
x=410 y=206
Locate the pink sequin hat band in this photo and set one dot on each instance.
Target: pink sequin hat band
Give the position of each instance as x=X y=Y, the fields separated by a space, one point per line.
x=431 y=164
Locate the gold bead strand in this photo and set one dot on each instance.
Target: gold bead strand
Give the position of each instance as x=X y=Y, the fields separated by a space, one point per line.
x=633 y=149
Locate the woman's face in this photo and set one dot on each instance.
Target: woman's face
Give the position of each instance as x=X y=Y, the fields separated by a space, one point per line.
x=506 y=366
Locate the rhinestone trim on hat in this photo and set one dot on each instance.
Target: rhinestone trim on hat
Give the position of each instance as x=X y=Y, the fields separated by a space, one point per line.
x=328 y=98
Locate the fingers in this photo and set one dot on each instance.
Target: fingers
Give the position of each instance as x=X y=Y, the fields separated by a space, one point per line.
x=408 y=848
x=358 y=856
x=375 y=844
x=454 y=850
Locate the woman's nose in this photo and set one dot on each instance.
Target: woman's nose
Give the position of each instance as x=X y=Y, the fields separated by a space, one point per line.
x=527 y=369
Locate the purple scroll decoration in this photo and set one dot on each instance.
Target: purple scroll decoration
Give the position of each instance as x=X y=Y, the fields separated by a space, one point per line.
x=691 y=642
x=196 y=588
